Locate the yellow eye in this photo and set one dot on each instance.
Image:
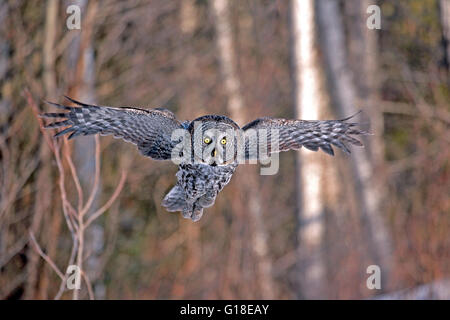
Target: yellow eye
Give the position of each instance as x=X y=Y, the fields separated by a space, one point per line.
x=223 y=141
x=207 y=140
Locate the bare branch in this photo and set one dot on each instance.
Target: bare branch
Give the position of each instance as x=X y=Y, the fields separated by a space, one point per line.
x=111 y=200
x=45 y=257
x=96 y=179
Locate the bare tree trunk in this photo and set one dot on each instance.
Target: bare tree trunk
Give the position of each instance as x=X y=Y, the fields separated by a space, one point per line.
x=343 y=93
x=375 y=111
x=311 y=267
x=444 y=8
x=83 y=63
x=363 y=52
x=43 y=194
x=248 y=179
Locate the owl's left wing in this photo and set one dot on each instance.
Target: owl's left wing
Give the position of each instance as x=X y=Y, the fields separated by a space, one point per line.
x=293 y=134
x=149 y=129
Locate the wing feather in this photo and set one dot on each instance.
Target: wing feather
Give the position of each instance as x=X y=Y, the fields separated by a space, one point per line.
x=149 y=129
x=293 y=134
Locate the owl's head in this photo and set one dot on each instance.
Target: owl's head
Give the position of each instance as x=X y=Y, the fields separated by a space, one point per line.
x=214 y=140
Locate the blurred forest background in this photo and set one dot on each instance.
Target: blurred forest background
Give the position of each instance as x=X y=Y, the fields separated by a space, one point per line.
x=310 y=231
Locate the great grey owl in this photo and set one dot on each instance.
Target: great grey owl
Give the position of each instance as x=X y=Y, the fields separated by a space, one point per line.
x=207 y=149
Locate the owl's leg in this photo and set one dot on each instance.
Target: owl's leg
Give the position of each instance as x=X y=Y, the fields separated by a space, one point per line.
x=192 y=211
x=207 y=200
x=175 y=200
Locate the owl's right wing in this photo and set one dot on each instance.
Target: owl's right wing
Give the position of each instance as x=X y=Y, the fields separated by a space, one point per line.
x=150 y=130
x=293 y=134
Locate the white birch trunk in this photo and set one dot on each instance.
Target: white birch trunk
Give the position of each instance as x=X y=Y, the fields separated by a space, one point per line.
x=309 y=171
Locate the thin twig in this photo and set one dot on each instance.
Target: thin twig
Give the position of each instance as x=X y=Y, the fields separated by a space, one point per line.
x=44 y=256
x=75 y=178
x=111 y=200
x=96 y=178
x=88 y=285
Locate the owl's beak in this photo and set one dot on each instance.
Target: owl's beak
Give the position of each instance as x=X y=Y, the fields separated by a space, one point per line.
x=214 y=153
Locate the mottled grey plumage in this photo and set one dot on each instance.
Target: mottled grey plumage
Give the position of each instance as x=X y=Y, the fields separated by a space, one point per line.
x=207 y=167
x=197 y=188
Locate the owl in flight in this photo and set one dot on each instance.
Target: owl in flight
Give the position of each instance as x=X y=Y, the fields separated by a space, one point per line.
x=208 y=149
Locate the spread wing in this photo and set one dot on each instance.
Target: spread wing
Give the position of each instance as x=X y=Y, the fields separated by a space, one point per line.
x=293 y=134
x=150 y=130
